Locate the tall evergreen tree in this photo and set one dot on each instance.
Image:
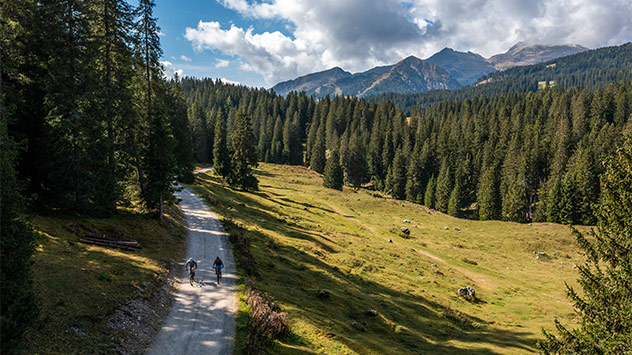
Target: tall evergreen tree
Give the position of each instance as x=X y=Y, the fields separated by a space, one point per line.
x=605 y=306
x=18 y=307
x=244 y=154
x=317 y=157
x=221 y=153
x=444 y=187
x=177 y=113
x=159 y=164
x=334 y=176
x=429 y=194
x=489 y=203
x=455 y=203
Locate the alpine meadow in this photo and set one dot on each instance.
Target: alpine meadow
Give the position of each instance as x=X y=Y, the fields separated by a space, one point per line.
x=335 y=177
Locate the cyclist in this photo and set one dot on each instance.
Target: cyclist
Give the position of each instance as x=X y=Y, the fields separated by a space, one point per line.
x=191 y=265
x=218 y=265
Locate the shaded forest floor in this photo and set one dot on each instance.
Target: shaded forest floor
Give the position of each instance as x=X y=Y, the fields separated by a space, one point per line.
x=91 y=297
x=306 y=238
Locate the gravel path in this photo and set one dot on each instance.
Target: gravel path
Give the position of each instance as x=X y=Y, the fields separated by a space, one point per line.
x=202 y=320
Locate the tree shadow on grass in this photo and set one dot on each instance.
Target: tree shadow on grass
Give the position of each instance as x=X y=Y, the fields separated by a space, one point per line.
x=406 y=321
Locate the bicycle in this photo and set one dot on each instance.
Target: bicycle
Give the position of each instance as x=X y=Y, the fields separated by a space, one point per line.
x=218 y=273
x=191 y=276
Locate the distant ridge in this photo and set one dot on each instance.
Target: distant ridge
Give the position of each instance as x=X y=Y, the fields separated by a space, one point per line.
x=523 y=53
x=445 y=70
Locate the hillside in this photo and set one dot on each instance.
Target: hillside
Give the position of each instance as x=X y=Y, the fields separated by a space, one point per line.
x=588 y=69
x=306 y=238
x=466 y=68
x=413 y=75
x=407 y=76
x=523 y=53
x=311 y=82
x=95 y=299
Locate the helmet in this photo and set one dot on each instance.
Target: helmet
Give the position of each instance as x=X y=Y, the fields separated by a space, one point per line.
x=190 y=259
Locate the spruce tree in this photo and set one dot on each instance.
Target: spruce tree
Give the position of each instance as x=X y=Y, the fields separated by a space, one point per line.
x=414 y=180
x=456 y=200
x=221 y=154
x=429 y=194
x=244 y=154
x=18 y=303
x=397 y=178
x=444 y=187
x=489 y=195
x=334 y=176
x=317 y=157
x=159 y=165
x=605 y=305
x=177 y=113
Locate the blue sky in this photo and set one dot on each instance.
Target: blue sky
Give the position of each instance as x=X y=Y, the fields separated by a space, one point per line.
x=174 y=16
x=262 y=42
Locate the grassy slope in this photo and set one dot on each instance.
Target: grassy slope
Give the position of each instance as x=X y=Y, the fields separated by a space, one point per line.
x=79 y=285
x=306 y=238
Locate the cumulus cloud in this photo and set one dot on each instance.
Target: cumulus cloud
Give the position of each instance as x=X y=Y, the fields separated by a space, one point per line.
x=227 y=81
x=169 y=70
x=185 y=58
x=221 y=63
x=359 y=34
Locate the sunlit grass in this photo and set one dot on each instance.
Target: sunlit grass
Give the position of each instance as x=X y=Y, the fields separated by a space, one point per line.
x=306 y=238
x=78 y=286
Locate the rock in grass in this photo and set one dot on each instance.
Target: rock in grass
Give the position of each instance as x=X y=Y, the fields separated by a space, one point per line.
x=371 y=313
x=390 y=240
x=406 y=221
x=405 y=230
x=467 y=292
x=323 y=294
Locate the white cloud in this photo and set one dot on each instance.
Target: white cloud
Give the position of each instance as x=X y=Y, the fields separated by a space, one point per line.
x=161 y=34
x=227 y=81
x=222 y=63
x=359 y=34
x=170 y=70
x=185 y=58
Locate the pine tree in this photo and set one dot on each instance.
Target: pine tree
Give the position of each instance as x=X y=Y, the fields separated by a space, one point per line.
x=354 y=163
x=444 y=187
x=244 y=155
x=397 y=178
x=489 y=202
x=554 y=202
x=414 y=180
x=456 y=200
x=159 y=165
x=18 y=303
x=334 y=176
x=221 y=154
x=177 y=113
x=605 y=305
x=317 y=161
x=429 y=195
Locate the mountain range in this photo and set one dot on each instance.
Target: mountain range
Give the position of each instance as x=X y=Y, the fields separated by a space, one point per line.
x=447 y=69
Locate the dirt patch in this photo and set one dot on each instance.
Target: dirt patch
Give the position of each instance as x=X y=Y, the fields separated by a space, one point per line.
x=138 y=321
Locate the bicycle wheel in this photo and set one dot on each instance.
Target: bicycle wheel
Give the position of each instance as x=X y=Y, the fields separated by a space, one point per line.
x=191 y=278
x=219 y=275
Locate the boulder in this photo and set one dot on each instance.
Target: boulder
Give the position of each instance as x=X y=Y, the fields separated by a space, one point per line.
x=457 y=229
x=406 y=221
x=467 y=292
x=405 y=230
x=390 y=240
x=322 y=294
x=371 y=313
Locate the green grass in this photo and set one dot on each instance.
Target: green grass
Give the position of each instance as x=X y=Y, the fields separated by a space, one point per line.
x=306 y=238
x=78 y=286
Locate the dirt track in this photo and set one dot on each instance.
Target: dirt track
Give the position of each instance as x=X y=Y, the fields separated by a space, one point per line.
x=202 y=320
